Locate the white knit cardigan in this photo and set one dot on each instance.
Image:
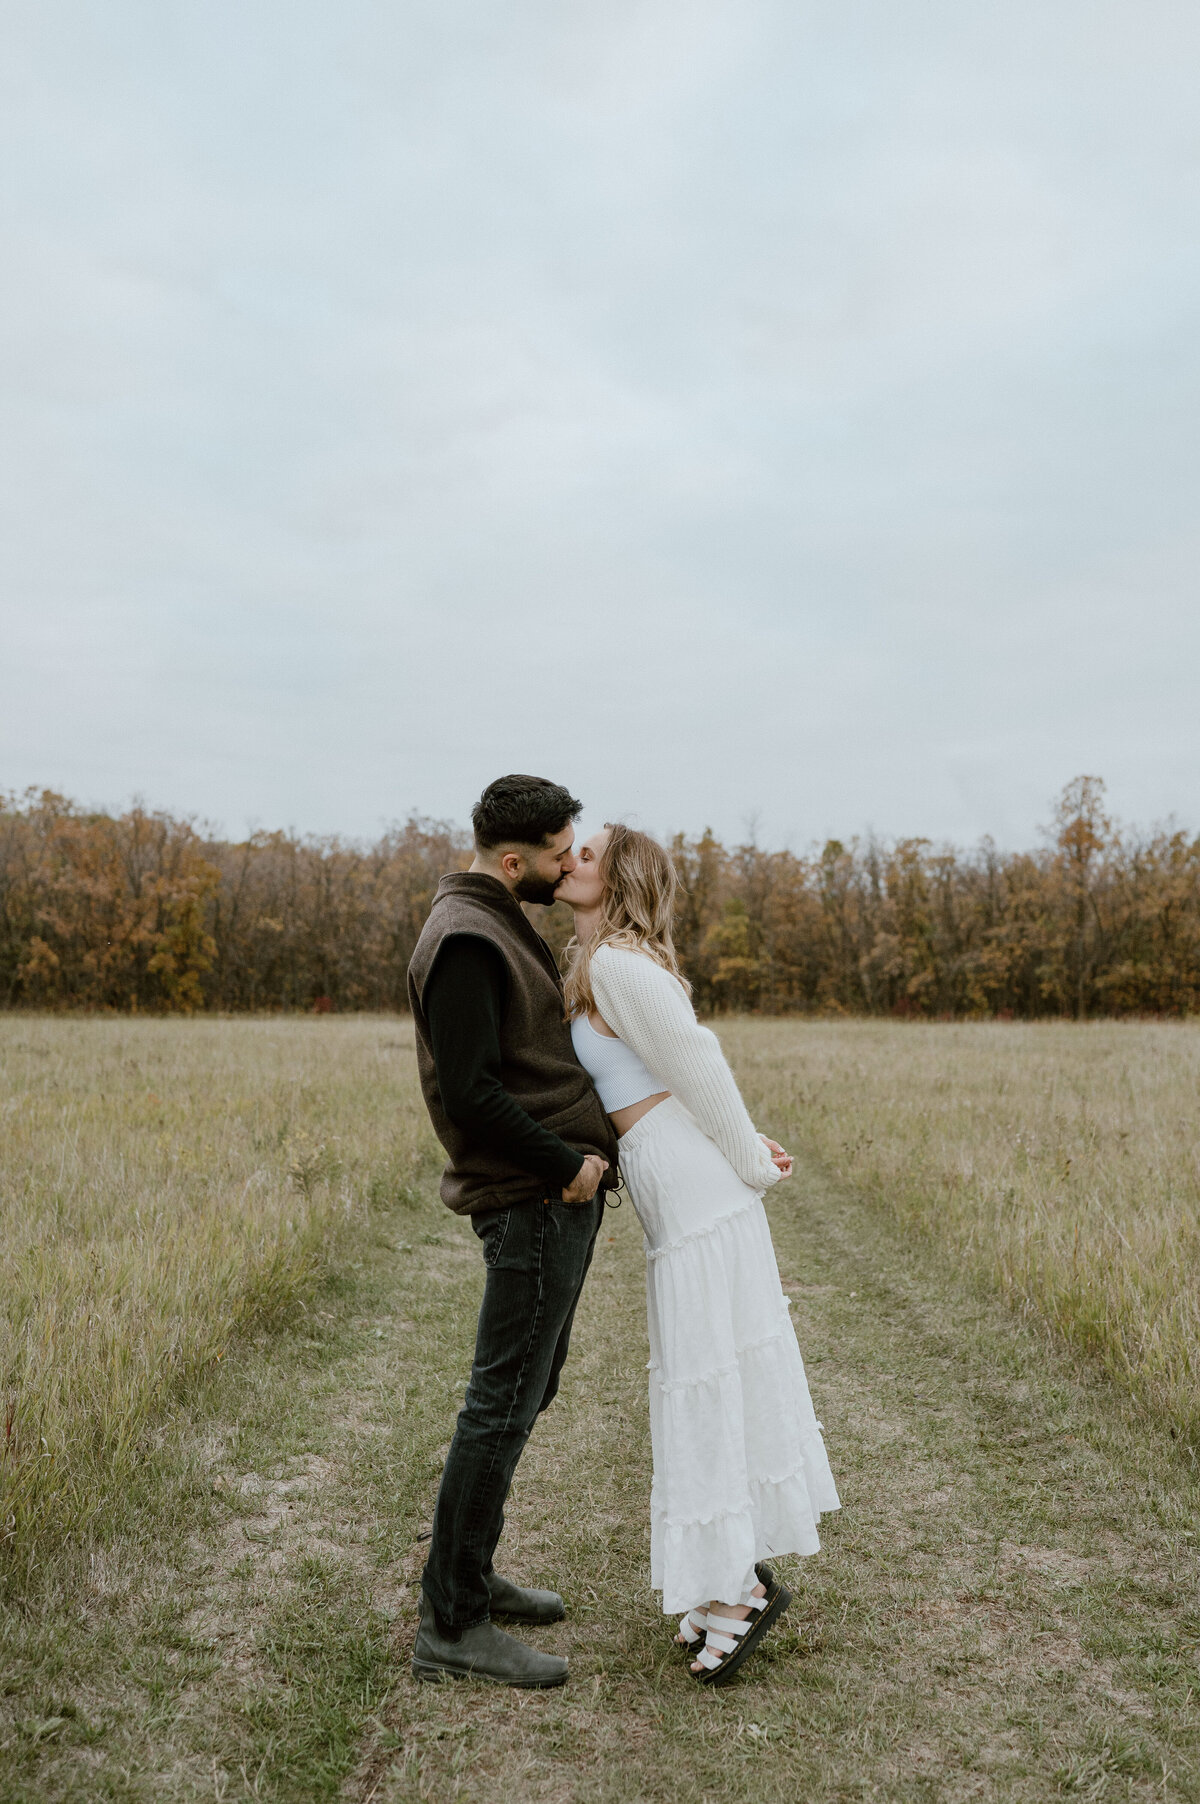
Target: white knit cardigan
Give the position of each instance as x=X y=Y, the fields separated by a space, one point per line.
x=648 y=1008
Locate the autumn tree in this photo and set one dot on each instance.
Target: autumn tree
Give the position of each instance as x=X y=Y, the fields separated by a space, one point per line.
x=144 y=911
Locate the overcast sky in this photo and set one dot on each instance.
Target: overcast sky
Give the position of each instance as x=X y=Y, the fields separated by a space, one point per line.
x=739 y=411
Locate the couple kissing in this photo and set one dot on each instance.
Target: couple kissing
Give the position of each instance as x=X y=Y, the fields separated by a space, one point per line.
x=538 y=1085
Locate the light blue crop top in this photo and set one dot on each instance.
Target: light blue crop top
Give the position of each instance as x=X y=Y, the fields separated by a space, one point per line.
x=619 y=1075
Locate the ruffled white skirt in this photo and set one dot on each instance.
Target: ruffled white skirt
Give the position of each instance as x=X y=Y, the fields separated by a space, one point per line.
x=740 y=1470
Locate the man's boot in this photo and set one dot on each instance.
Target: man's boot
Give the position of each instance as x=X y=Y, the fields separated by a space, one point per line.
x=484 y=1652
x=522 y=1604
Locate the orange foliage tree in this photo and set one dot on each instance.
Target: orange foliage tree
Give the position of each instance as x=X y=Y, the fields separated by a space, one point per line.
x=103 y=912
x=1094 y=922
x=143 y=911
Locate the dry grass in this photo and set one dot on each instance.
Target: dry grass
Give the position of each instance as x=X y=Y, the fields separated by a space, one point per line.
x=1003 y=1611
x=1062 y=1162
x=164 y=1186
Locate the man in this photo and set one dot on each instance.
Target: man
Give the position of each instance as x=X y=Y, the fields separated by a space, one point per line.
x=529 y=1147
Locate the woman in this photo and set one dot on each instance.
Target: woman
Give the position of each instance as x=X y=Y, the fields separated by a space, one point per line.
x=739 y=1465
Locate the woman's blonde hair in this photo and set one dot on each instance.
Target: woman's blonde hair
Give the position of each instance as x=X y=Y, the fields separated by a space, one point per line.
x=636 y=911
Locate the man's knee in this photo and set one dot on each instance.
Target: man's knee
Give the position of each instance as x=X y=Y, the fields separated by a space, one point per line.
x=494 y=1420
x=549 y=1394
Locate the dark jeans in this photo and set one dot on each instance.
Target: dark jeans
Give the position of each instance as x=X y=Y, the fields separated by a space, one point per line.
x=537 y=1256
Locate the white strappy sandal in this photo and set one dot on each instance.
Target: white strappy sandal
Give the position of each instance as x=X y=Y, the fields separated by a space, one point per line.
x=731 y=1638
x=692 y=1628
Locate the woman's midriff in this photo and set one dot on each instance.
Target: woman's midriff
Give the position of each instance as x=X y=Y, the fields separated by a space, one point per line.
x=623 y=1119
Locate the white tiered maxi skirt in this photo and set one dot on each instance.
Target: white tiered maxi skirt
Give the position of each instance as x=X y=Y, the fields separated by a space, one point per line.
x=740 y=1471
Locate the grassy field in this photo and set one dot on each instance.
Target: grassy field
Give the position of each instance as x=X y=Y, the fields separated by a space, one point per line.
x=163 y=1188
x=1062 y=1162
x=212 y=1596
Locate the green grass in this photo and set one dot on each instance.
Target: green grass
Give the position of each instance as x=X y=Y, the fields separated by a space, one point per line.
x=1005 y=1609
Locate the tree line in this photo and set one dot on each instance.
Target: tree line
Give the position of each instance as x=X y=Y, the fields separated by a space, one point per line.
x=144 y=911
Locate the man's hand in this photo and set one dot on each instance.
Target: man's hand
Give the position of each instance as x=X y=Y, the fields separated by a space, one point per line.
x=586 y=1182
x=780 y=1159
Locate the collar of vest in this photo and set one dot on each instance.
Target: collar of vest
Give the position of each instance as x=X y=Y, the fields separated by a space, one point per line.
x=490 y=893
x=481 y=888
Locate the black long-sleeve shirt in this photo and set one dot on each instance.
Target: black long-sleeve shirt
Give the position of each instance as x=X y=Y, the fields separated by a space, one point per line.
x=464 y=1003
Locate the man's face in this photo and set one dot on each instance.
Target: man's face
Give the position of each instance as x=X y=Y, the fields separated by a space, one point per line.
x=542 y=868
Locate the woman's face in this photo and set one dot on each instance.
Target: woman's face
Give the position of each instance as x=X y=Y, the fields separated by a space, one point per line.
x=583 y=887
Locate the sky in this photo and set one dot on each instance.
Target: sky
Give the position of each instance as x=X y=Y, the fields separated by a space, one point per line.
x=766 y=414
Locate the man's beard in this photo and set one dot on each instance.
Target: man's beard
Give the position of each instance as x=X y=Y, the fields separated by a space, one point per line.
x=535 y=889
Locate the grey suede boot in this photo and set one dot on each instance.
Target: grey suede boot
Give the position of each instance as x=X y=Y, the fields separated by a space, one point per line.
x=521 y=1604
x=484 y=1652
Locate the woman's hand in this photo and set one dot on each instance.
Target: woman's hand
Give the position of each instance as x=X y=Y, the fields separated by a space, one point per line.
x=781 y=1160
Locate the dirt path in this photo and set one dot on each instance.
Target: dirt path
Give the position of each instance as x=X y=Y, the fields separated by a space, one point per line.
x=1007 y=1607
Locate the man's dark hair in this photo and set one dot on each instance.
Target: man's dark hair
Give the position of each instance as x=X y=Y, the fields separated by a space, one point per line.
x=522 y=811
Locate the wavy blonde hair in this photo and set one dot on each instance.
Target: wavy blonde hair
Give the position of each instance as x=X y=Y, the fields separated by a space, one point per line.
x=635 y=913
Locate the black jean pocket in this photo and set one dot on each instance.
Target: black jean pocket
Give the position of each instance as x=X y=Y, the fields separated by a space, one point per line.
x=491 y=1225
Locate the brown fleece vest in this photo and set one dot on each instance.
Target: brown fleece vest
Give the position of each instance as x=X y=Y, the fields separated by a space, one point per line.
x=537 y=1060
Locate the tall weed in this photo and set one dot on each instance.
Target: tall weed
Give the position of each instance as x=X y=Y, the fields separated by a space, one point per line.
x=1061 y=1161
x=166 y=1187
